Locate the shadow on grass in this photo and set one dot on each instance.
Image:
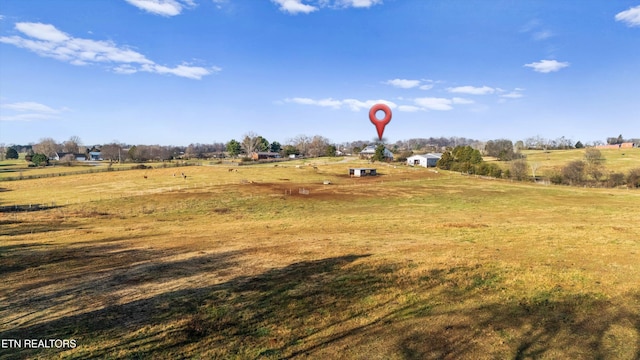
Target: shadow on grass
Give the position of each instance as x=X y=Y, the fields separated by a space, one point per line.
x=26 y=208
x=347 y=306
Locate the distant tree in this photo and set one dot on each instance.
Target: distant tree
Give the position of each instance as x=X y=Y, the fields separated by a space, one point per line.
x=11 y=153
x=593 y=156
x=67 y=159
x=262 y=144
x=573 y=172
x=275 y=147
x=250 y=143
x=446 y=161
x=3 y=151
x=615 y=179
x=534 y=168
x=518 y=169
x=501 y=149
x=290 y=150
x=132 y=154
x=330 y=150
x=318 y=146
x=40 y=159
x=633 y=178
x=579 y=145
x=302 y=142
x=357 y=149
x=234 y=148
x=379 y=154
x=112 y=152
x=72 y=145
x=519 y=145
x=593 y=159
x=47 y=146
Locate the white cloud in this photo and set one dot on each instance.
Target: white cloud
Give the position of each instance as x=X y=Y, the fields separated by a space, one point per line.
x=303 y=6
x=409 y=108
x=461 y=101
x=162 y=7
x=471 y=90
x=547 y=66
x=403 y=83
x=26 y=111
x=542 y=35
x=41 y=31
x=47 y=41
x=295 y=6
x=353 y=104
x=512 y=95
x=357 y=3
x=630 y=17
x=431 y=103
x=426 y=87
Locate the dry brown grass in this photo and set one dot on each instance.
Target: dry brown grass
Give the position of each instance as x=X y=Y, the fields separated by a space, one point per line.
x=408 y=265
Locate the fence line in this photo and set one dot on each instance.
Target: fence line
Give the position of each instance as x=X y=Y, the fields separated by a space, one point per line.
x=92 y=171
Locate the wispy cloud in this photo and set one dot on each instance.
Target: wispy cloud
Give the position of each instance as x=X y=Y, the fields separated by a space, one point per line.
x=472 y=90
x=631 y=17
x=417 y=104
x=305 y=6
x=162 y=7
x=409 y=84
x=352 y=104
x=295 y=6
x=537 y=30
x=547 y=66
x=47 y=41
x=403 y=83
x=357 y=3
x=28 y=110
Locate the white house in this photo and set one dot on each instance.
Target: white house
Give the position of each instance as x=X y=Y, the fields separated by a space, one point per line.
x=426 y=160
x=370 y=150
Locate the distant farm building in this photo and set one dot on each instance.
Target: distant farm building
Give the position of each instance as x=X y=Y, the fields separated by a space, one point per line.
x=426 y=160
x=370 y=150
x=60 y=155
x=95 y=156
x=626 y=145
x=262 y=155
x=359 y=172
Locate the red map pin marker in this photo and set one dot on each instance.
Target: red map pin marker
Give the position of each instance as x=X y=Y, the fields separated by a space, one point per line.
x=380 y=124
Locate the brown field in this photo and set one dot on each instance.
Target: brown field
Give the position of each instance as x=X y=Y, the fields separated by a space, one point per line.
x=412 y=264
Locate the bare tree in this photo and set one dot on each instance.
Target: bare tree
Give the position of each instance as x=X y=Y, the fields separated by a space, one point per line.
x=518 y=169
x=318 y=146
x=72 y=145
x=3 y=151
x=250 y=143
x=594 y=168
x=301 y=142
x=47 y=146
x=534 y=167
x=112 y=152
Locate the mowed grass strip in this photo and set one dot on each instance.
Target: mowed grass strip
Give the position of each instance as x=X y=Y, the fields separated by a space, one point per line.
x=408 y=265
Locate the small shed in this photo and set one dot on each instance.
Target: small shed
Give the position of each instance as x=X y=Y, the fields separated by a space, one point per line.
x=426 y=160
x=261 y=155
x=359 y=172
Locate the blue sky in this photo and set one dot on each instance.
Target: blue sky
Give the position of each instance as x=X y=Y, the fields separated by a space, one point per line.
x=175 y=72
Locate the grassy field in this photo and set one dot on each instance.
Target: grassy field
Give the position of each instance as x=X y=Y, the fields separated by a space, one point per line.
x=269 y=262
x=620 y=160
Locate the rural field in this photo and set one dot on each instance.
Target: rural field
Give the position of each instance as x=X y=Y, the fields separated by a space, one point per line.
x=298 y=260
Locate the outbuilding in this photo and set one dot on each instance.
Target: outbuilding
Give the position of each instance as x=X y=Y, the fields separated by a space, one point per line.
x=370 y=150
x=359 y=172
x=426 y=160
